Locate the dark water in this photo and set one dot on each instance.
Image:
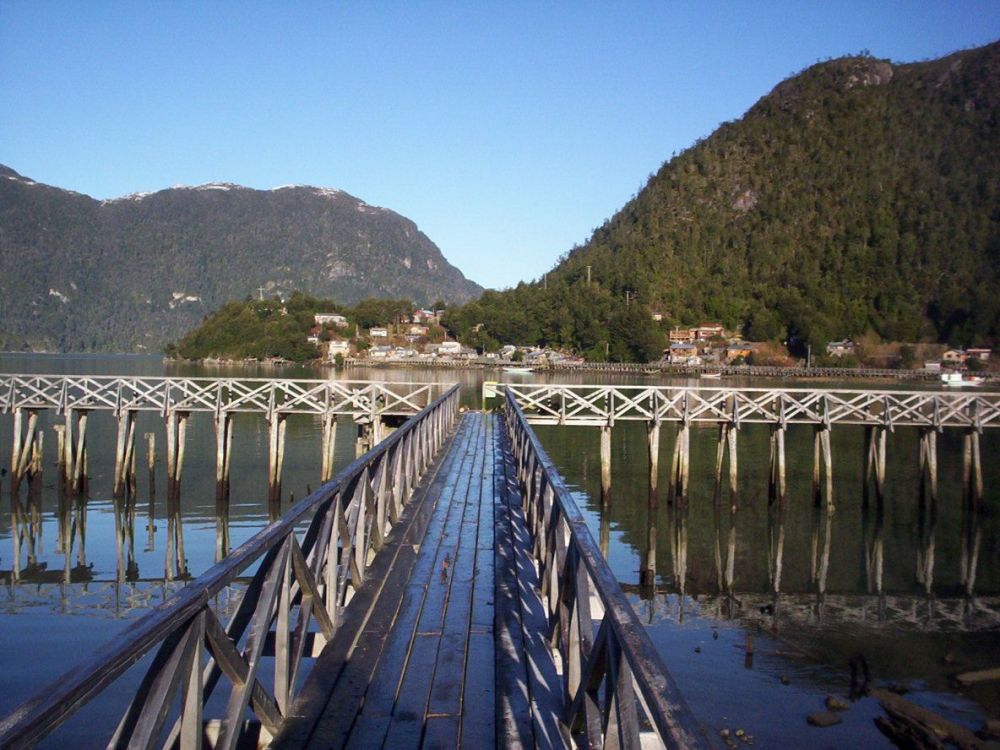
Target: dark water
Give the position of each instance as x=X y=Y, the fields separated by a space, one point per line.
x=854 y=582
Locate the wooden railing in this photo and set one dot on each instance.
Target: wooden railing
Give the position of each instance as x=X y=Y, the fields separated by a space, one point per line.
x=616 y=685
x=117 y=394
x=290 y=609
x=551 y=403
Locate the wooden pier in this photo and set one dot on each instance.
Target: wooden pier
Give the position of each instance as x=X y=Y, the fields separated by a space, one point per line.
x=443 y=590
x=878 y=411
x=375 y=408
x=447 y=651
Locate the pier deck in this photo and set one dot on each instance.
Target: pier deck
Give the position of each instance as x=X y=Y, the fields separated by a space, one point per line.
x=449 y=645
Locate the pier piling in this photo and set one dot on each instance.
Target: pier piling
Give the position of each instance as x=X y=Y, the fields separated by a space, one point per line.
x=223 y=452
x=276 y=455
x=606 y=461
x=329 y=441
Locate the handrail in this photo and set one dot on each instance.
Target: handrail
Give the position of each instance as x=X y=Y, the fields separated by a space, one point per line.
x=306 y=582
x=618 y=655
x=546 y=403
x=163 y=394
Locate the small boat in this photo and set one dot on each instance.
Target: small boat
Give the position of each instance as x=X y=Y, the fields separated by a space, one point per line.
x=711 y=375
x=518 y=370
x=957 y=380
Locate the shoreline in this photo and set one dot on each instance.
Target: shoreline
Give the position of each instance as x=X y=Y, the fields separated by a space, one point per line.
x=633 y=368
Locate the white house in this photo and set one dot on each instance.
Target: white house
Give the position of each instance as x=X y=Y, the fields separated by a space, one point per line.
x=449 y=347
x=337 y=346
x=379 y=333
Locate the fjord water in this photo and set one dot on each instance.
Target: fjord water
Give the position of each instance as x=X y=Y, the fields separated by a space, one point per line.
x=715 y=565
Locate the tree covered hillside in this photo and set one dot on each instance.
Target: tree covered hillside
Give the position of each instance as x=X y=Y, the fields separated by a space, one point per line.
x=857 y=196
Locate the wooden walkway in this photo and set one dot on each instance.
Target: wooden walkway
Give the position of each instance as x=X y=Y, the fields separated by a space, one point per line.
x=444 y=644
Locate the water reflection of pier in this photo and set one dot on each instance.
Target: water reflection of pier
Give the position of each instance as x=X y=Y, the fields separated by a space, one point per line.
x=675 y=579
x=27 y=525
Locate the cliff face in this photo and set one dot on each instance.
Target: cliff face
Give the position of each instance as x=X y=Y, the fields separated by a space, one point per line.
x=133 y=273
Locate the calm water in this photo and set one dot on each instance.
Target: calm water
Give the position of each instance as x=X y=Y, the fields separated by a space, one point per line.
x=716 y=570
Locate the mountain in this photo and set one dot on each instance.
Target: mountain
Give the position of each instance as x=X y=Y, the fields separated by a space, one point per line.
x=857 y=196
x=130 y=274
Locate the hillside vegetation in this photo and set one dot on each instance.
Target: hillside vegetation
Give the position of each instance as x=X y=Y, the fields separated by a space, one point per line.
x=265 y=329
x=858 y=196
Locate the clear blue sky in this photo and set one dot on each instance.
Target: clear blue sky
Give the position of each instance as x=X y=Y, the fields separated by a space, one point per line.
x=506 y=130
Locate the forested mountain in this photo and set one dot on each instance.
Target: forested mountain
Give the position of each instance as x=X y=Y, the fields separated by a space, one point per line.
x=131 y=274
x=858 y=195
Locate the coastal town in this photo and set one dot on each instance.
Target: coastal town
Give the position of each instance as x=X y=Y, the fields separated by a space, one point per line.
x=421 y=338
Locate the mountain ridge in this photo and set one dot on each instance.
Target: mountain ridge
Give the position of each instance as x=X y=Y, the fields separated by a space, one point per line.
x=137 y=271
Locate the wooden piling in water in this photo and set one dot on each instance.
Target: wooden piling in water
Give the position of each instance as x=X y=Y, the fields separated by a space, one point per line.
x=653 y=442
x=928 y=462
x=176 y=439
x=733 y=466
x=776 y=483
x=972 y=469
x=680 y=465
x=223 y=449
x=329 y=441
x=874 y=464
x=822 y=466
x=276 y=455
x=606 y=461
x=67 y=462
x=80 y=460
x=23 y=445
x=124 y=451
x=151 y=461
x=15 y=451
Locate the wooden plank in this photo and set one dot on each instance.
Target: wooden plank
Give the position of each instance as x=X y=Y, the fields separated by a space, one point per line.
x=406 y=727
x=479 y=696
x=441 y=732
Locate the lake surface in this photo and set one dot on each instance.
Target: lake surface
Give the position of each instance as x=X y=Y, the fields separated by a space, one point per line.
x=915 y=589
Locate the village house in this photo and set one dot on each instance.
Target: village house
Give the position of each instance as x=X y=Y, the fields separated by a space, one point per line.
x=323 y=319
x=978 y=353
x=335 y=347
x=507 y=351
x=840 y=348
x=953 y=357
x=680 y=353
x=424 y=316
x=735 y=351
x=379 y=352
x=449 y=348
x=656 y=315
x=685 y=335
x=379 y=333
x=418 y=330
x=707 y=330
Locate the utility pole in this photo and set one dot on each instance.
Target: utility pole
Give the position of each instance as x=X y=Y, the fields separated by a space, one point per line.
x=546 y=281
x=588 y=275
x=260 y=290
x=629 y=296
